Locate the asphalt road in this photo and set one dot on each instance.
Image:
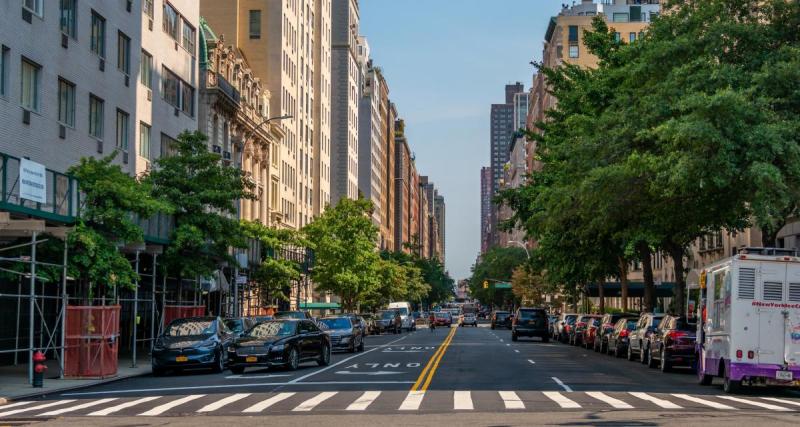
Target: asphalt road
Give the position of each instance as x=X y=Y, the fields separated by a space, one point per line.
x=421 y=377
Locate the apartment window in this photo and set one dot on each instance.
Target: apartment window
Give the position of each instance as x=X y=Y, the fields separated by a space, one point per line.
x=188 y=37
x=66 y=103
x=122 y=130
x=144 y=140
x=3 y=69
x=632 y=37
x=98 y=35
x=617 y=37
x=171 y=88
x=69 y=17
x=187 y=99
x=573 y=51
x=123 y=53
x=148 y=8
x=35 y=6
x=573 y=33
x=168 y=146
x=146 y=70
x=255 y=24
x=30 y=75
x=620 y=17
x=170 y=21
x=96 y=106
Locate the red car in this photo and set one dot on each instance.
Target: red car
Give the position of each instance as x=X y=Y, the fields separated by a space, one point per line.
x=590 y=332
x=442 y=318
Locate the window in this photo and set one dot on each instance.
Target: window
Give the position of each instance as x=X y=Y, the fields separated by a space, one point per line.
x=573 y=51
x=29 y=95
x=188 y=37
x=168 y=146
x=68 y=18
x=573 y=33
x=170 y=21
x=255 y=24
x=98 y=35
x=122 y=130
x=170 y=88
x=96 y=117
x=35 y=6
x=3 y=69
x=66 y=103
x=632 y=37
x=620 y=17
x=617 y=37
x=146 y=70
x=148 y=8
x=187 y=99
x=144 y=140
x=123 y=53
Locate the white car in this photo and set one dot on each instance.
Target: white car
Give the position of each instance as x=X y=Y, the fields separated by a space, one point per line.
x=468 y=319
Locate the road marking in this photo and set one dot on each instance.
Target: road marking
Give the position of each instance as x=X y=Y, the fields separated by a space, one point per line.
x=314 y=401
x=516 y=351
x=412 y=401
x=501 y=340
x=430 y=368
x=11 y=405
x=564 y=386
x=755 y=403
x=509 y=345
x=562 y=400
x=78 y=407
x=666 y=404
x=462 y=401
x=531 y=362
x=435 y=366
x=33 y=408
x=511 y=400
x=233 y=377
x=236 y=386
x=158 y=410
x=121 y=406
x=264 y=404
x=705 y=402
x=363 y=402
x=226 y=401
x=788 y=402
x=615 y=403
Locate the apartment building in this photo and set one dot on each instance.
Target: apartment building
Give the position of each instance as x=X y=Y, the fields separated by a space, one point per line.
x=486 y=208
x=390 y=177
x=321 y=135
x=371 y=155
x=439 y=210
x=402 y=188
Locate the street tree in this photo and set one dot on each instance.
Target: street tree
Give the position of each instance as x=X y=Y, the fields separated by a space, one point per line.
x=273 y=275
x=496 y=265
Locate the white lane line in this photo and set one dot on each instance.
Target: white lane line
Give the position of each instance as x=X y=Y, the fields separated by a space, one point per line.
x=562 y=400
x=226 y=401
x=666 y=404
x=615 y=403
x=121 y=406
x=531 y=362
x=462 y=401
x=705 y=402
x=501 y=340
x=319 y=371
x=264 y=404
x=516 y=351
x=12 y=405
x=78 y=407
x=508 y=344
x=561 y=383
x=247 y=377
x=363 y=402
x=511 y=400
x=755 y=403
x=33 y=408
x=412 y=401
x=160 y=409
x=788 y=402
x=314 y=401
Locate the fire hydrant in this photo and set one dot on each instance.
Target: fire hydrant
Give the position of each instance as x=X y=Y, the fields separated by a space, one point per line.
x=38 y=369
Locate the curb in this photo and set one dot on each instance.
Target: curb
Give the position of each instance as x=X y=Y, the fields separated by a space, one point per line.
x=4 y=400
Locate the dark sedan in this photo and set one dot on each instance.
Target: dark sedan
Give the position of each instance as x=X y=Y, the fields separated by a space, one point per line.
x=384 y=322
x=238 y=325
x=501 y=319
x=618 y=339
x=606 y=328
x=196 y=342
x=299 y=315
x=344 y=334
x=672 y=343
x=530 y=322
x=283 y=342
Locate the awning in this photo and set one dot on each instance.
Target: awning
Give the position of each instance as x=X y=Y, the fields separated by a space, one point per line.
x=320 y=305
x=635 y=289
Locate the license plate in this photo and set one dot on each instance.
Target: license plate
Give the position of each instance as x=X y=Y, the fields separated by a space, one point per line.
x=181 y=359
x=251 y=359
x=783 y=375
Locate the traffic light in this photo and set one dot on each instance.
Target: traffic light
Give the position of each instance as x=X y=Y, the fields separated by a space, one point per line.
x=485 y=284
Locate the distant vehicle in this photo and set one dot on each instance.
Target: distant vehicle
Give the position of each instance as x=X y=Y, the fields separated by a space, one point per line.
x=443 y=318
x=672 y=343
x=565 y=322
x=605 y=329
x=238 y=325
x=581 y=323
x=468 y=319
x=405 y=314
x=299 y=315
x=590 y=332
x=530 y=322
x=619 y=338
x=344 y=334
x=750 y=331
x=283 y=342
x=384 y=322
x=369 y=323
x=194 y=342
x=639 y=342
x=501 y=319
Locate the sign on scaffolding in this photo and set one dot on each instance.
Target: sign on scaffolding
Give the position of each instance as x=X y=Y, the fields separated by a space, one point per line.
x=32 y=181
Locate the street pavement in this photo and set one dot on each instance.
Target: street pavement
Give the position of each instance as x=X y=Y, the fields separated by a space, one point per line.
x=453 y=371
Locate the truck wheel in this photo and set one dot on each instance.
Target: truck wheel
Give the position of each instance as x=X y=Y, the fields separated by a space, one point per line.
x=731 y=386
x=702 y=377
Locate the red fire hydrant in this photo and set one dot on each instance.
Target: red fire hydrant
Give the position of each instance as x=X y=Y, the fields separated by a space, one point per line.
x=38 y=369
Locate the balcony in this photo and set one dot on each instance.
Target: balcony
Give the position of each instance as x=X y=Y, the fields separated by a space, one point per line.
x=62 y=199
x=217 y=82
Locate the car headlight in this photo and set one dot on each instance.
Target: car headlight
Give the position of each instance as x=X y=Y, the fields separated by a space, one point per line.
x=231 y=349
x=208 y=345
x=158 y=346
x=346 y=338
x=277 y=348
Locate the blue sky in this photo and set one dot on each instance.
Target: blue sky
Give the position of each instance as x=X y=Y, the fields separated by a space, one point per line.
x=446 y=62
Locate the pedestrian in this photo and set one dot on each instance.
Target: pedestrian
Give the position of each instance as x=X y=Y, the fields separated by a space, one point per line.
x=431 y=322
x=398 y=323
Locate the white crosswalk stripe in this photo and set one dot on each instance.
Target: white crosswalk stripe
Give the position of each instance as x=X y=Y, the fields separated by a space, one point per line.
x=314 y=401
x=363 y=402
x=33 y=408
x=15 y=404
x=755 y=403
x=705 y=402
x=784 y=401
x=226 y=401
x=264 y=404
x=511 y=400
x=462 y=401
x=666 y=404
x=121 y=406
x=615 y=403
x=412 y=401
x=562 y=400
x=160 y=409
x=78 y=407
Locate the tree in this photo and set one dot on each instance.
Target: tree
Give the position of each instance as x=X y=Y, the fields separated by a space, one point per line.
x=497 y=264
x=273 y=275
x=434 y=286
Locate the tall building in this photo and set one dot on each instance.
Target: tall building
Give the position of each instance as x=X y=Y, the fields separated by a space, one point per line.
x=486 y=208
x=402 y=187
x=371 y=155
x=388 y=114
x=439 y=216
x=321 y=134
x=434 y=234
x=346 y=92
x=502 y=126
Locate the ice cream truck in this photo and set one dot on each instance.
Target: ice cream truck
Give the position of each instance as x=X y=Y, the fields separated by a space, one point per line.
x=749 y=328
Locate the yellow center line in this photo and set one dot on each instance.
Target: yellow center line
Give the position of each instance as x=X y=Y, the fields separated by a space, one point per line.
x=438 y=359
x=430 y=367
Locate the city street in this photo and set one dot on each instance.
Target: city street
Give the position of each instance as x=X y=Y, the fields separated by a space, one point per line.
x=455 y=371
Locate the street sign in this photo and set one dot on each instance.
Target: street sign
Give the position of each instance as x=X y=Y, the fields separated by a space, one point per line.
x=502 y=285
x=241 y=280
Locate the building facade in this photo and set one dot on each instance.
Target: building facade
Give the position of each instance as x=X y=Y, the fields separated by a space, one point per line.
x=486 y=208
x=402 y=188
x=439 y=214
x=371 y=155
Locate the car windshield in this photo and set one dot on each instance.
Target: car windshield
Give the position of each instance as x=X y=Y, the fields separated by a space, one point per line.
x=631 y=324
x=531 y=314
x=403 y=311
x=272 y=329
x=570 y=319
x=442 y=315
x=337 y=323
x=186 y=328
x=387 y=314
x=235 y=325
x=290 y=315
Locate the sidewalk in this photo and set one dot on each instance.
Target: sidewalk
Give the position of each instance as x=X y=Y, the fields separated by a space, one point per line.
x=14 y=379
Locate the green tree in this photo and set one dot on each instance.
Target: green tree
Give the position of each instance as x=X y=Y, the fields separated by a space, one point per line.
x=497 y=264
x=272 y=276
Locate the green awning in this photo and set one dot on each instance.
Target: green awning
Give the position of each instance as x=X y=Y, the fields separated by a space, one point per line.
x=320 y=305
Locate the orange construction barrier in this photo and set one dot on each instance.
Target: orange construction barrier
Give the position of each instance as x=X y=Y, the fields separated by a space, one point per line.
x=92 y=341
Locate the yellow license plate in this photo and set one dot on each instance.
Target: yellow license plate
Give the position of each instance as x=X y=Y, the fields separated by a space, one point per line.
x=251 y=359
x=181 y=359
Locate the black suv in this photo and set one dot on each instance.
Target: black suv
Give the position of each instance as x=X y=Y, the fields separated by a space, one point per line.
x=530 y=322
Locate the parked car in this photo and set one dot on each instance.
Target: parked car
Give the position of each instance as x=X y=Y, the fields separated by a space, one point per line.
x=259 y=319
x=405 y=314
x=281 y=342
x=369 y=323
x=501 y=319
x=384 y=322
x=639 y=342
x=590 y=332
x=468 y=319
x=672 y=343
x=552 y=319
x=344 y=333
x=581 y=323
x=238 y=325
x=194 y=342
x=618 y=339
x=605 y=329
x=299 y=315
x=565 y=322
x=530 y=322
x=443 y=318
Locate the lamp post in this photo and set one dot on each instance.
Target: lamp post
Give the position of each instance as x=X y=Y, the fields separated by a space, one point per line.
x=288 y=116
x=522 y=245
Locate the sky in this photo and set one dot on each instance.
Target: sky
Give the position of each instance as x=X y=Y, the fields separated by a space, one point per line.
x=446 y=62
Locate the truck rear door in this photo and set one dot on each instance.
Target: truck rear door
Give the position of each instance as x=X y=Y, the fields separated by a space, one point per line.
x=770 y=318
x=792 y=336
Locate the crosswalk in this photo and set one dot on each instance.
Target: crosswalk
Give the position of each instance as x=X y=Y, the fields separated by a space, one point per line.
x=388 y=401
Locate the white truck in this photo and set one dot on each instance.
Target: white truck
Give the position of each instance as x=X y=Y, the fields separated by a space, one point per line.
x=405 y=314
x=749 y=333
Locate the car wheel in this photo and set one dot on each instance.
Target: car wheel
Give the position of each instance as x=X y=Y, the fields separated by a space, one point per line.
x=238 y=370
x=650 y=362
x=514 y=337
x=545 y=339
x=294 y=359
x=664 y=365
x=361 y=345
x=630 y=353
x=642 y=354
x=219 y=363
x=325 y=357
x=492 y=327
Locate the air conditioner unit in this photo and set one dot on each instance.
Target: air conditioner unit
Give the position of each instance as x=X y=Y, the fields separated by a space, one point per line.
x=217 y=149
x=27 y=16
x=26 y=117
x=100 y=146
x=150 y=24
x=62 y=131
x=149 y=95
x=64 y=41
x=125 y=157
x=102 y=64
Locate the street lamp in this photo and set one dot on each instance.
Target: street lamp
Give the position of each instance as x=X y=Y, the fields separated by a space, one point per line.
x=288 y=116
x=522 y=245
